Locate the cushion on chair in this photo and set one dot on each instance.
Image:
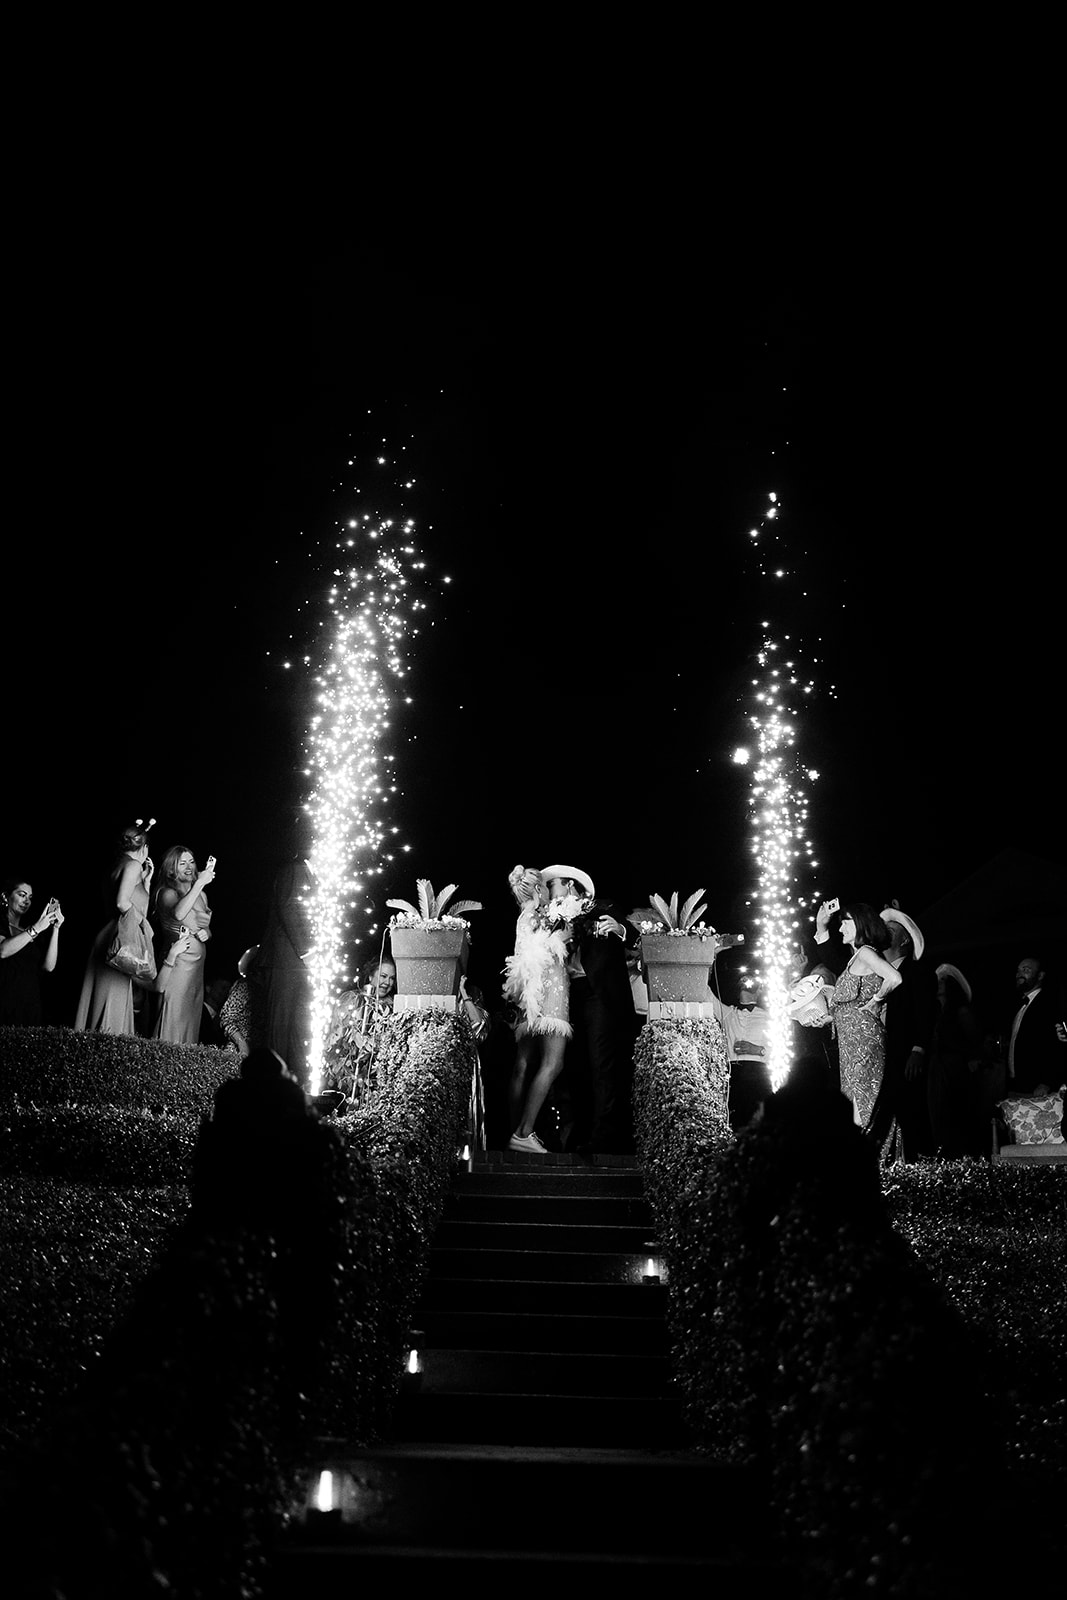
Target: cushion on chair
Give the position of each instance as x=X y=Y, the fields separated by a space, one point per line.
x=1034 y=1119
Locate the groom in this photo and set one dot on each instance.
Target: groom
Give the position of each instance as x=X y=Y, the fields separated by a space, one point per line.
x=599 y=1059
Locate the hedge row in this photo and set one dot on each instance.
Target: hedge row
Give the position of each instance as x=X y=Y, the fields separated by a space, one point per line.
x=60 y=1067
x=276 y=1312
x=812 y=1340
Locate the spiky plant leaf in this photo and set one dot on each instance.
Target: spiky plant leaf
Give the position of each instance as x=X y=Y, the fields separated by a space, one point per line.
x=443 y=898
x=403 y=905
x=674 y=909
x=687 y=915
x=425 y=888
x=465 y=905
x=661 y=906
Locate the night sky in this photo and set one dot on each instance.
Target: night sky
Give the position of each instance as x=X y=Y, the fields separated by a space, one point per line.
x=592 y=428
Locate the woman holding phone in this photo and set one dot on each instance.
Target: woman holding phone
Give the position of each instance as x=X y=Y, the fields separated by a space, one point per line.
x=182 y=917
x=22 y=958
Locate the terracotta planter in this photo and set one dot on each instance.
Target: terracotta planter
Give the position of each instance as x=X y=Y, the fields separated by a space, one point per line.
x=429 y=960
x=677 y=968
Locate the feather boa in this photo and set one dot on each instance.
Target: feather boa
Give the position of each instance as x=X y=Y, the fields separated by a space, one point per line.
x=537 y=950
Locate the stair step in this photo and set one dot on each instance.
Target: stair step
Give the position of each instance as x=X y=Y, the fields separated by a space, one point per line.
x=533 y=1501
x=541 y=1296
x=589 y=1210
x=324 y=1572
x=479 y=1370
x=529 y=1180
x=540 y=1331
x=464 y=1261
x=554 y=1161
x=591 y=1421
x=624 y=1239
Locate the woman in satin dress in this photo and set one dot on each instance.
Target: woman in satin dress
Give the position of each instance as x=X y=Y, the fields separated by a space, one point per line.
x=106 y=1004
x=182 y=917
x=859 y=1007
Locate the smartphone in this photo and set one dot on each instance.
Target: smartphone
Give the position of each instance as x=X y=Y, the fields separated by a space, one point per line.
x=211 y=863
x=833 y=905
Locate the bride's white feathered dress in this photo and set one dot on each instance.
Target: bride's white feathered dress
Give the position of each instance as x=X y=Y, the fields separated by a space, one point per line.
x=535 y=976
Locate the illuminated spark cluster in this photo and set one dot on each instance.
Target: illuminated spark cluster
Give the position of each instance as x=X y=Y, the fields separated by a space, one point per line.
x=778 y=807
x=372 y=608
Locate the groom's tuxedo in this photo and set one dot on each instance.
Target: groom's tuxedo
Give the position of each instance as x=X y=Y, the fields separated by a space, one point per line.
x=600 y=1054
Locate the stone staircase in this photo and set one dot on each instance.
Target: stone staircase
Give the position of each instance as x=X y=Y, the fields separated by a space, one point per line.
x=543 y=1434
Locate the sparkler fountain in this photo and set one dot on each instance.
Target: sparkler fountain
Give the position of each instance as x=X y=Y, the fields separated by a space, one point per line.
x=778 y=816
x=372 y=608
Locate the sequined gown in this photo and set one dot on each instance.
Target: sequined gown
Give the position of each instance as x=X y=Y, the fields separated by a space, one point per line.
x=860 y=1041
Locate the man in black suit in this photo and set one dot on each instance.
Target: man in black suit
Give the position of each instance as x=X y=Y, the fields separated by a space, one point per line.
x=1036 y=1057
x=900 y=1121
x=600 y=1052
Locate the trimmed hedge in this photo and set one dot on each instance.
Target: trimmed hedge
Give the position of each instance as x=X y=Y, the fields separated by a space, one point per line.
x=812 y=1341
x=277 y=1311
x=60 y=1066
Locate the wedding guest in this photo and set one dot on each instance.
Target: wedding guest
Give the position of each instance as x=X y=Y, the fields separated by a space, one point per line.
x=634 y=965
x=279 y=976
x=106 y=1003
x=746 y=1026
x=377 y=982
x=1036 y=1060
x=181 y=907
x=537 y=982
x=858 y=1004
x=211 y=1030
x=235 y=1013
x=900 y=1121
x=958 y=1077
x=25 y=954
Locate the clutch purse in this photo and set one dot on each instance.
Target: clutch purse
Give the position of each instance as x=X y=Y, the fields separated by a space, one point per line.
x=130 y=950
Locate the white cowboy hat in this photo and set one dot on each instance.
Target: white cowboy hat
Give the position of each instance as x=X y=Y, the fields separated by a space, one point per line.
x=918 y=943
x=557 y=871
x=947 y=970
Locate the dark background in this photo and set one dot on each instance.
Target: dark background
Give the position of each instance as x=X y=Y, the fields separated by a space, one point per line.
x=593 y=418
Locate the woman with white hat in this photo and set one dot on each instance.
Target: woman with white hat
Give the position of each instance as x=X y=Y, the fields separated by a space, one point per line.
x=537 y=983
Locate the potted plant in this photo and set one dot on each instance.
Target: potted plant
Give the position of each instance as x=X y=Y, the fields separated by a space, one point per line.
x=677 y=948
x=429 y=944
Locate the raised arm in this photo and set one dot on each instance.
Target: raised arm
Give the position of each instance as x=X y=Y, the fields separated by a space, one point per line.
x=205 y=876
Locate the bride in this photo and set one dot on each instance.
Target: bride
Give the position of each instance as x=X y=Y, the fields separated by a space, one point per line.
x=537 y=984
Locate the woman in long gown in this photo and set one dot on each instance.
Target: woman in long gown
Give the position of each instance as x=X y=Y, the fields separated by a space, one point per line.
x=106 y=1004
x=859 y=1008
x=181 y=909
